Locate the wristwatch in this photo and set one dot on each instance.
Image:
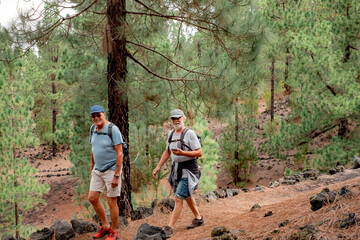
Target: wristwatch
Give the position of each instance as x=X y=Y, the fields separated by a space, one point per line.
x=116 y=176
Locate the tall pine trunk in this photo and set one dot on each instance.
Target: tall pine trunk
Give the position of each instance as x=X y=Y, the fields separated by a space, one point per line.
x=117 y=88
x=236 y=153
x=54 y=59
x=272 y=90
x=286 y=73
x=343 y=123
x=16 y=209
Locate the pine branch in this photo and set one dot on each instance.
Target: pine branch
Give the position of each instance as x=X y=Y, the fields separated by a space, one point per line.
x=156 y=74
x=314 y=134
x=180 y=18
x=319 y=75
x=51 y=28
x=168 y=59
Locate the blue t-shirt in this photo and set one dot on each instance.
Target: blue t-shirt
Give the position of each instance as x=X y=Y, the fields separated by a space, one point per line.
x=103 y=148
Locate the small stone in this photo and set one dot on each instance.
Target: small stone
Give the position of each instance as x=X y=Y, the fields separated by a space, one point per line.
x=268 y=214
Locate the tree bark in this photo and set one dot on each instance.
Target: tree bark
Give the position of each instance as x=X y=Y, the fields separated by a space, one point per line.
x=343 y=129
x=54 y=59
x=16 y=212
x=272 y=90
x=236 y=171
x=117 y=88
x=286 y=73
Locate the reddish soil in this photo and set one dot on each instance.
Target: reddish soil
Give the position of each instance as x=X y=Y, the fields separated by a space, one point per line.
x=286 y=203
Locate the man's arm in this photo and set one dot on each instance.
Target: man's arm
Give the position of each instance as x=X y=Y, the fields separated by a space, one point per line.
x=195 y=153
x=92 y=161
x=165 y=156
x=193 y=143
x=119 y=161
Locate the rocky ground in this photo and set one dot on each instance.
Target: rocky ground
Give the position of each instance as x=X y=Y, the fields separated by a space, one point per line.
x=288 y=203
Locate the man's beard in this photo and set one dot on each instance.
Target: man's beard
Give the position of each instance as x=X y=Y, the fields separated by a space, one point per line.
x=179 y=126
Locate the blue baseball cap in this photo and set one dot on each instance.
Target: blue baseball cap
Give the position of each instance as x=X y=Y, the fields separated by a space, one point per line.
x=96 y=109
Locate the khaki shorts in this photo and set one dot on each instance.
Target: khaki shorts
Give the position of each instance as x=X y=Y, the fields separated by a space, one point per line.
x=101 y=180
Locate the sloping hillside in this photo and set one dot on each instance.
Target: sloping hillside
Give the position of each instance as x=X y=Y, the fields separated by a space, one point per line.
x=286 y=203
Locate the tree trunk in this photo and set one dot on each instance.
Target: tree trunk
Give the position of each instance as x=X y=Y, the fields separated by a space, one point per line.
x=147 y=139
x=15 y=160
x=286 y=73
x=54 y=113
x=236 y=170
x=117 y=88
x=343 y=129
x=272 y=90
x=54 y=59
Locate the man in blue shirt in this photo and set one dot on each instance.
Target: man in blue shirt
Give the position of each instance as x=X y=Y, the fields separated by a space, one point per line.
x=106 y=164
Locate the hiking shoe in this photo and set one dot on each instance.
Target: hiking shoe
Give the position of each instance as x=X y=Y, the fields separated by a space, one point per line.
x=196 y=223
x=168 y=231
x=112 y=236
x=102 y=232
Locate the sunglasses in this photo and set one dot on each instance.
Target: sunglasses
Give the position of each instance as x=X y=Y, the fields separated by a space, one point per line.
x=175 y=118
x=95 y=115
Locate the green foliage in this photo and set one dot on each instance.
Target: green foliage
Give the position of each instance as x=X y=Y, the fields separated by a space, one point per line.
x=19 y=186
x=209 y=159
x=300 y=157
x=288 y=172
x=339 y=151
x=237 y=144
x=316 y=61
x=147 y=146
x=271 y=127
x=83 y=75
x=267 y=94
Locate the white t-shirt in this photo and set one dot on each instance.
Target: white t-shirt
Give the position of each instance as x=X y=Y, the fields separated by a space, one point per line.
x=190 y=139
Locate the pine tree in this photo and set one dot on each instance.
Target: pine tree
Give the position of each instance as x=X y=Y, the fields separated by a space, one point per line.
x=323 y=75
x=131 y=30
x=20 y=189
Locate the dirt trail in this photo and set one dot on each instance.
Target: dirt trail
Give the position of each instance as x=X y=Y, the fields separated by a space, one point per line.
x=285 y=202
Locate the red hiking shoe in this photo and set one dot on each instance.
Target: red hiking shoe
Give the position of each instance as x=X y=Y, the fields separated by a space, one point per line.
x=112 y=236
x=102 y=232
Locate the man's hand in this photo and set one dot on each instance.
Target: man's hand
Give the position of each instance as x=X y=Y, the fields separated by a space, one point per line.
x=155 y=171
x=178 y=152
x=115 y=182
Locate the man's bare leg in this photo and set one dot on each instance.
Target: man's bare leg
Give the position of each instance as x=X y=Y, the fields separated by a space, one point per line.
x=176 y=213
x=94 y=199
x=193 y=207
x=114 y=212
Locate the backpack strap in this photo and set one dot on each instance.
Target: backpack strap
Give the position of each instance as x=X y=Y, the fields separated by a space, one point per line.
x=170 y=139
x=92 y=131
x=182 y=135
x=110 y=131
